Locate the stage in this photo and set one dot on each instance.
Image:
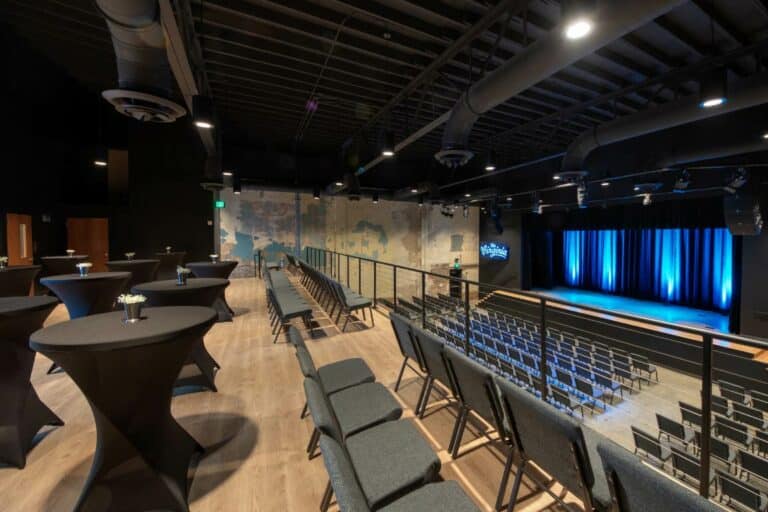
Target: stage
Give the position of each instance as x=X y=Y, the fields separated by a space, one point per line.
x=671 y=313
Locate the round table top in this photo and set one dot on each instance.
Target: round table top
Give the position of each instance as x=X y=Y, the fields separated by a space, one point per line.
x=225 y=263
x=15 y=305
x=132 y=262
x=107 y=331
x=65 y=257
x=20 y=267
x=169 y=285
x=92 y=276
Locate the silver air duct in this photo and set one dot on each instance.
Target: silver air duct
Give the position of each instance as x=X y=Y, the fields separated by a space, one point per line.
x=144 y=75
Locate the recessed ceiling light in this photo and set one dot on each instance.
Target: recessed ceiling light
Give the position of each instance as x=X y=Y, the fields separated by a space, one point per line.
x=414 y=191
x=339 y=183
x=713 y=102
x=387 y=153
x=578 y=28
x=556 y=177
x=765 y=135
x=467 y=195
x=99 y=163
x=509 y=198
x=490 y=167
x=605 y=184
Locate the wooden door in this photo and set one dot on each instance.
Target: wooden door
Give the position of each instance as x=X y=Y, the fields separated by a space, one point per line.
x=90 y=236
x=19 y=238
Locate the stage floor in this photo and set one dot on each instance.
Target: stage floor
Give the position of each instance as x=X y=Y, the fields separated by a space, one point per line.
x=657 y=310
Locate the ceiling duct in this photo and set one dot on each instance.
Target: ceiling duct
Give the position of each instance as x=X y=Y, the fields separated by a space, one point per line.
x=144 y=74
x=747 y=93
x=537 y=62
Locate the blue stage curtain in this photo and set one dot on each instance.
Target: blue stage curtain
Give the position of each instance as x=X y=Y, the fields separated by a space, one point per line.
x=692 y=266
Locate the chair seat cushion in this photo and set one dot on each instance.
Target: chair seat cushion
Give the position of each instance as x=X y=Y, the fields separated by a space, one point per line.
x=344 y=374
x=363 y=406
x=390 y=460
x=443 y=496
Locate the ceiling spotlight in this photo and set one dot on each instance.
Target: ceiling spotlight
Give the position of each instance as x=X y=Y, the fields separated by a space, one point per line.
x=712 y=89
x=339 y=183
x=202 y=112
x=605 y=184
x=683 y=181
x=765 y=135
x=576 y=16
x=421 y=201
x=467 y=195
x=100 y=163
x=490 y=163
x=414 y=190
x=316 y=192
x=100 y=156
x=557 y=177
x=579 y=28
x=637 y=189
x=236 y=186
x=375 y=198
x=647 y=199
x=227 y=173
x=509 y=198
x=388 y=145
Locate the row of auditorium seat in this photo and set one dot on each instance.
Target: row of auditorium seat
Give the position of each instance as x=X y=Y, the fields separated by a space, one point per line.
x=591 y=467
x=375 y=460
x=284 y=302
x=330 y=294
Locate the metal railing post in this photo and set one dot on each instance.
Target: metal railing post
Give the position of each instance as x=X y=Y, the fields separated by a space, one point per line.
x=375 y=279
x=394 y=287
x=359 y=276
x=706 y=414
x=543 y=348
x=423 y=300
x=347 y=270
x=467 y=323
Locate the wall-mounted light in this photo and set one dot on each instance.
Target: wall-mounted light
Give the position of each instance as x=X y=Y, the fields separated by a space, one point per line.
x=713 y=88
x=388 y=144
x=202 y=112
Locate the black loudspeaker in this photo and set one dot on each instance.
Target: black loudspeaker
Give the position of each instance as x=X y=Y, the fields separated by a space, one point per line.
x=742 y=214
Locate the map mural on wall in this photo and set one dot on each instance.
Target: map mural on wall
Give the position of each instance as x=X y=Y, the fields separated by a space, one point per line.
x=398 y=232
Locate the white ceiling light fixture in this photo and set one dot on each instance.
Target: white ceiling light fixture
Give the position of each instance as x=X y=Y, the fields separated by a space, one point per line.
x=577 y=18
x=578 y=29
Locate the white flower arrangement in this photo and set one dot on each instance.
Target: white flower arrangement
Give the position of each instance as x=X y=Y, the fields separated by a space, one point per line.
x=84 y=265
x=70 y=252
x=182 y=270
x=3 y=259
x=128 y=298
x=130 y=255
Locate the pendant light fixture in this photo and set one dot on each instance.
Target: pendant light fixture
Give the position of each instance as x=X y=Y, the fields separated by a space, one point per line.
x=101 y=154
x=713 y=88
x=202 y=112
x=577 y=18
x=490 y=162
x=388 y=144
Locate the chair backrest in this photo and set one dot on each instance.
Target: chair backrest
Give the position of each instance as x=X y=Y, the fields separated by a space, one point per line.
x=646 y=442
x=732 y=430
x=306 y=363
x=732 y=391
x=474 y=385
x=431 y=349
x=636 y=488
x=320 y=410
x=349 y=495
x=738 y=490
x=295 y=337
x=684 y=462
x=551 y=439
x=670 y=426
x=690 y=413
x=754 y=464
x=721 y=449
x=404 y=337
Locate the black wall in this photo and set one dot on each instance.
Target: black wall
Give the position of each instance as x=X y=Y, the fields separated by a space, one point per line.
x=502 y=273
x=754 y=286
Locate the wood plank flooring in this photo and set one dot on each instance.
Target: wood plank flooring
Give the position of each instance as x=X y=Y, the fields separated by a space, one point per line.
x=255 y=459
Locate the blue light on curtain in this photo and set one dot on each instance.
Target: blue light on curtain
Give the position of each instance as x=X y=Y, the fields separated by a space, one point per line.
x=685 y=266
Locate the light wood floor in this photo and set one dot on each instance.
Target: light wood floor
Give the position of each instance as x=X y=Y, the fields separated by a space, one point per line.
x=255 y=441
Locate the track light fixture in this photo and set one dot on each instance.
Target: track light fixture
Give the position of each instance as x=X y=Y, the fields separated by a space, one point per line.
x=388 y=144
x=713 y=88
x=490 y=162
x=202 y=112
x=577 y=18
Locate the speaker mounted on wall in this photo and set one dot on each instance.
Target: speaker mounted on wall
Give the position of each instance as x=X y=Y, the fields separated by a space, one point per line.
x=742 y=214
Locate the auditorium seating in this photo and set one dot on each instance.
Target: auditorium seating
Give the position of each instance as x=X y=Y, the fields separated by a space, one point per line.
x=332 y=295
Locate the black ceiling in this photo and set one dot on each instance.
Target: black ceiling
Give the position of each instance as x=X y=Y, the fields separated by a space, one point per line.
x=265 y=59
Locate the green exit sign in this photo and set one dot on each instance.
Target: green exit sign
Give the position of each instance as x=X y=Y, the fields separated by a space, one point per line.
x=219 y=204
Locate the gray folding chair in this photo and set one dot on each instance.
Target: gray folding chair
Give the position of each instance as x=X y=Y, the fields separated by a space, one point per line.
x=400 y=327
x=431 y=349
x=637 y=488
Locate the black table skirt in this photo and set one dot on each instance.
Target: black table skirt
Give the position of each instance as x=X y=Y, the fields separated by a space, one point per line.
x=17 y=281
x=89 y=295
x=22 y=413
x=143 y=454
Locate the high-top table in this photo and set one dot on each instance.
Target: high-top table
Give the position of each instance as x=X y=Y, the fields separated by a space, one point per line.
x=201 y=370
x=142 y=271
x=168 y=263
x=56 y=265
x=90 y=294
x=127 y=373
x=220 y=269
x=87 y=295
x=17 y=281
x=22 y=413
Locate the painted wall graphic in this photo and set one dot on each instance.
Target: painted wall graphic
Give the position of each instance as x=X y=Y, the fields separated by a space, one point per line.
x=391 y=231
